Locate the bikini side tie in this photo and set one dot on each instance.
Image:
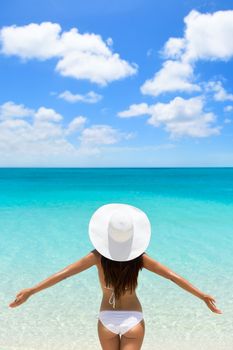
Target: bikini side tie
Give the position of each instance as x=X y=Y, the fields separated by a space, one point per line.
x=112 y=300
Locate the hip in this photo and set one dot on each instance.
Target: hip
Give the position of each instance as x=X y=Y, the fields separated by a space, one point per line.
x=120 y=321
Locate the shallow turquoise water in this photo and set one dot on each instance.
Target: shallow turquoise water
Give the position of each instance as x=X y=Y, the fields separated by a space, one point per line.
x=44 y=215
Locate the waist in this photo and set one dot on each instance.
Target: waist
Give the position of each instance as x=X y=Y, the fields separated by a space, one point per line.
x=122 y=304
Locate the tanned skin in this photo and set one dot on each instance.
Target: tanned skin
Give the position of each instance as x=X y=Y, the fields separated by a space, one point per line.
x=91 y=259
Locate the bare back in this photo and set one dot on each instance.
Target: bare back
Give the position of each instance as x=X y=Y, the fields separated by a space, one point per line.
x=128 y=301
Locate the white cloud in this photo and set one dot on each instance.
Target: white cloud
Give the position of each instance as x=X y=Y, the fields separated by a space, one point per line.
x=43 y=138
x=135 y=110
x=97 y=68
x=90 y=97
x=172 y=77
x=47 y=114
x=76 y=124
x=10 y=109
x=46 y=130
x=109 y=41
x=31 y=41
x=220 y=93
x=228 y=108
x=81 y=56
x=206 y=37
x=209 y=36
x=101 y=135
x=16 y=124
x=93 y=138
x=174 y=47
x=180 y=117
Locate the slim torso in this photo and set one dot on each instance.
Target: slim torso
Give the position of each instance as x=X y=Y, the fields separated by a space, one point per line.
x=127 y=301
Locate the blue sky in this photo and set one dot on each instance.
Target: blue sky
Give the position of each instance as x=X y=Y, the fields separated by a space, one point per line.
x=120 y=83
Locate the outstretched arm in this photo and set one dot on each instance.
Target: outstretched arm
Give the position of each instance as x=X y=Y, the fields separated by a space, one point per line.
x=156 y=267
x=83 y=264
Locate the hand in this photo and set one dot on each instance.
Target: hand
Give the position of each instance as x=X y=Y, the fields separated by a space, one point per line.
x=210 y=302
x=21 y=297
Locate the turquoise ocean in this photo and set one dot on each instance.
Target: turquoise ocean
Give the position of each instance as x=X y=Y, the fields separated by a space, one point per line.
x=44 y=216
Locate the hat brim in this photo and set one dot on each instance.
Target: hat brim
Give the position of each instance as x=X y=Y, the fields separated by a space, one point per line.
x=99 y=236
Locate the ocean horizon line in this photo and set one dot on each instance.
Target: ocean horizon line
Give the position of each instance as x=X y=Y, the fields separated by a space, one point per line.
x=120 y=167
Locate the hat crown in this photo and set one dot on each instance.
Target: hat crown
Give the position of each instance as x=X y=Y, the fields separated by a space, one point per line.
x=120 y=232
x=120 y=225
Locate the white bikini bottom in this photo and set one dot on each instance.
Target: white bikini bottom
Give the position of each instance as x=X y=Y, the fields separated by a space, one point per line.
x=120 y=321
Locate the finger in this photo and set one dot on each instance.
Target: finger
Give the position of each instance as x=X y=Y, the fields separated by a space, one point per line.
x=214 y=309
x=210 y=305
x=13 y=304
x=16 y=302
x=217 y=311
x=212 y=300
x=213 y=305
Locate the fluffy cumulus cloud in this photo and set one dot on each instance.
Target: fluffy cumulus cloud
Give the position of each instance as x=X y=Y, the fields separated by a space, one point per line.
x=47 y=114
x=81 y=56
x=90 y=97
x=179 y=117
x=76 y=124
x=43 y=135
x=206 y=37
x=209 y=36
x=219 y=93
x=135 y=110
x=173 y=76
x=100 y=134
x=174 y=48
x=10 y=109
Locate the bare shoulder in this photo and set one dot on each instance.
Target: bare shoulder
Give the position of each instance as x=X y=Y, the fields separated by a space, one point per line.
x=95 y=256
x=148 y=262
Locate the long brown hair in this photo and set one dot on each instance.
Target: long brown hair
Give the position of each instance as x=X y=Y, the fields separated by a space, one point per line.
x=121 y=274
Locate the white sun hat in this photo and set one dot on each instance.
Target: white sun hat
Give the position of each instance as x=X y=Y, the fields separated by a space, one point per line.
x=119 y=232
